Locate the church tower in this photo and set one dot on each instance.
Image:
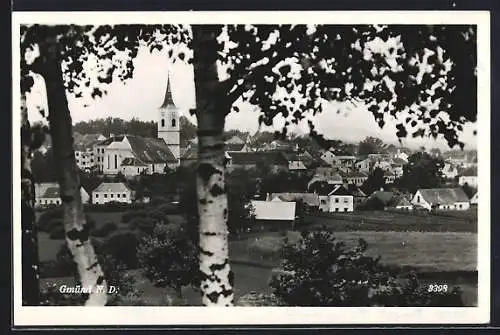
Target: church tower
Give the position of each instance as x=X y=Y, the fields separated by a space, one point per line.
x=169 y=123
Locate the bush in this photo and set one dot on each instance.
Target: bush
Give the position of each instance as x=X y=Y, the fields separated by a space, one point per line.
x=122 y=246
x=169 y=258
x=319 y=271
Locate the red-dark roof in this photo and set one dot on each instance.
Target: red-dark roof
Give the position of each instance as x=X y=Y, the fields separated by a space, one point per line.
x=151 y=150
x=168 y=101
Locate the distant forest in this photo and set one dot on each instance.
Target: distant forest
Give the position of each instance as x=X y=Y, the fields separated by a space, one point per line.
x=136 y=127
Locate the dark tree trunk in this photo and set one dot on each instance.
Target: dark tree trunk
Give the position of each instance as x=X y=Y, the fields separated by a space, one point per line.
x=29 y=258
x=216 y=276
x=90 y=273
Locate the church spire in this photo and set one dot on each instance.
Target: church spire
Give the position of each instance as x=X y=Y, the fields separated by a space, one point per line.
x=168 y=101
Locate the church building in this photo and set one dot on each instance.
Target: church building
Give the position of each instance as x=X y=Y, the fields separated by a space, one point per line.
x=133 y=155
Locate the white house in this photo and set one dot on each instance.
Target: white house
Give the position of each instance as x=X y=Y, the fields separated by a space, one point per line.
x=274 y=210
x=48 y=194
x=441 y=199
x=469 y=177
x=112 y=192
x=333 y=198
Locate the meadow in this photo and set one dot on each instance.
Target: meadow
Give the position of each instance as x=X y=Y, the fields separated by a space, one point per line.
x=443 y=250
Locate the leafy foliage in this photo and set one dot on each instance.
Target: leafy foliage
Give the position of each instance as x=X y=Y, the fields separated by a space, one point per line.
x=422 y=171
x=319 y=271
x=422 y=74
x=168 y=257
x=371 y=145
x=52 y=218
x=374 y=182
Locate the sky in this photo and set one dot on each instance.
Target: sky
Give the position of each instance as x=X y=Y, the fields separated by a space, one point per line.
x=141 y=96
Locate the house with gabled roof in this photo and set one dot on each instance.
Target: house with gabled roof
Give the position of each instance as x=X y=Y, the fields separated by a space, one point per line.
x=141 y=152
x=441 y=199
x=112 y=192
x=333 y=197
x=47 y=194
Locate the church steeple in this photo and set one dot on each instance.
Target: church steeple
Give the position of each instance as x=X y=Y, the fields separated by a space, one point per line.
x=168 y=101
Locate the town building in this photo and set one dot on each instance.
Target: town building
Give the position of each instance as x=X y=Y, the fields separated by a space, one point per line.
x=355 y=177
x=468 y=176
x=333 y=197
x=141 y=152
x=273 y=212
x=47 y=194
x=133 y=155
x=169 y=123
x=441 y=199
x=85 y=156
x=112 y=192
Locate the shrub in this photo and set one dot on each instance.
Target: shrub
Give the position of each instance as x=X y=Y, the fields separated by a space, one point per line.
x=169 y=258
x=122 y=246
x=319 y=271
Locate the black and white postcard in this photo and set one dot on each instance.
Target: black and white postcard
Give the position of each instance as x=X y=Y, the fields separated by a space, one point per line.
x=324 y=167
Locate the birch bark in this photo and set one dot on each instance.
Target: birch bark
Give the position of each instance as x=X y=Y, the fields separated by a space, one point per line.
x=216 y=275
x=77 y=232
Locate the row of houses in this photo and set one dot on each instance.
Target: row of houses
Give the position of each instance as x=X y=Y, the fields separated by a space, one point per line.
x=48 y=194
x=336 y=198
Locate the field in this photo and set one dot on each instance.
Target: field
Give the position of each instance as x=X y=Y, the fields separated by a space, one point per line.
x=442 y=249
x=456 y=221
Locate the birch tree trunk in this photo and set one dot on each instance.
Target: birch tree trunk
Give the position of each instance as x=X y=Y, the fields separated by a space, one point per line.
x=216 y=275
x=77 y=232
x=29 y=257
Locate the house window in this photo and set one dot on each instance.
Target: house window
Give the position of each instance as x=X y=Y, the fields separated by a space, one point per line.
x=336 y=209
x=323 y=202
x=137 y=170
x=118 y=195
x=124 y=195
x=336 y=200
x=418 y=198
x=108 y=163
x=163 y=122
x=346 y=200
x=345 y=209
x=105 y=195
x=111 y=195
x=116 y=161
x=460 y=206
x=97 y=195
